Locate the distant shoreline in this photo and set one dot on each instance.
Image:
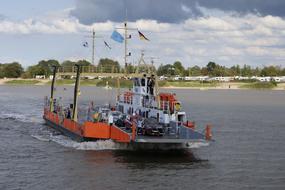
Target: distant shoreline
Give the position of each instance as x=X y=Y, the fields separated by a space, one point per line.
x=219 y=86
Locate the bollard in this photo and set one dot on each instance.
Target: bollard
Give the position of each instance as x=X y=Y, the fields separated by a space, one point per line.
x=208 y=133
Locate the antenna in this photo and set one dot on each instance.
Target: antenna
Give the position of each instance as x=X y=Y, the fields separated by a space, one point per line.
x=142 y=63
x=126 y=11
x=127 y=37
x=93 y=36
x=126 y=47
x=93 y=46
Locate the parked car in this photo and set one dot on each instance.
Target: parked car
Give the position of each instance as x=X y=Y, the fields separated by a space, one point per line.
x=151 y=127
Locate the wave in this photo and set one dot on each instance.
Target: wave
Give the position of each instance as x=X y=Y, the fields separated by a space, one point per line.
x=49 y=135
x=102 y=144
x=41 y=138
x=196 y=145
x=69 y=143
x=97 y=145
x=21 y=117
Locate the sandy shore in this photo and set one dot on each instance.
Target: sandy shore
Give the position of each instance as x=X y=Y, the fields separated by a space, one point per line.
x=221 y=86
x=41 y=81
x=2 y=81
x=225 y=86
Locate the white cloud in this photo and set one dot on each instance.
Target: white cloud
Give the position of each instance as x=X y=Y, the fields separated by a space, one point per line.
x=185 y=8
x=152 y=25
x=223 y=36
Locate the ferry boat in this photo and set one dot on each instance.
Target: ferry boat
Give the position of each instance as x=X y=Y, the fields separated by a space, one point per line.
x=142 y=117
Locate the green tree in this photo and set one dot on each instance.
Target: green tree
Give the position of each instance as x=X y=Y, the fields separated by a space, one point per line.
x=68 y=66
x=166 y=70
x=108 y=66
x=46 y=66
x=204 y=71
x=195 y=71
x=216 y=70
x=11 y=70
x=32 y=71
x=211 y=66
x=220 y=71
x=68 y=63
x=179 y=69
x=145 y=68
x=83 y=63
x=1 y=71
x=256 y=72
x=246 y=71
x=282 y=72
x=235 y=70
x=271 y=71
x=130 y=69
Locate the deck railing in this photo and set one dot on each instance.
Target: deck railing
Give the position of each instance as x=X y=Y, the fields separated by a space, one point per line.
x=90 y=69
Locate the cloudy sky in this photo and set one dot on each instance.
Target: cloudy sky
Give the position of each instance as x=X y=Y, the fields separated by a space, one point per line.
x=195 y=32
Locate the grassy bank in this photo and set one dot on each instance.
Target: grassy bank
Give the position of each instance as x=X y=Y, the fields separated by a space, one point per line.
x=22 y=82
x=63 y=82
x=114 y=83
x=95 y=82
x=259 y=85
x=166 y=84
x=128 y=83
x=187 y=84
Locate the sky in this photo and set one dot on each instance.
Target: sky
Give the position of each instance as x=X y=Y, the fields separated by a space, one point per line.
x=228 y=32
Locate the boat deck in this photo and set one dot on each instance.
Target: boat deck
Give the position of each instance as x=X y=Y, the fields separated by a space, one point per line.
x=185 y=136
x=164 y=140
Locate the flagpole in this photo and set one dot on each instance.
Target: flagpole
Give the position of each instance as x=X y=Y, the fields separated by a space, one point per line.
x=125 y=28
x=93 y=36
x=126 y=46
x=126 y=38
x=93 y=46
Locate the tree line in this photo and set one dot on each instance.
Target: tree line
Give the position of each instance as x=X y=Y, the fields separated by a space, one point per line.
x=44 y=68
x=215 y=70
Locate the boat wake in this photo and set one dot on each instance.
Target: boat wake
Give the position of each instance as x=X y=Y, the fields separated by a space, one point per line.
x=53 y=136
x=41 y=138
x=20 y=117
x=97 y=145
x=196 y=145
x=69 y=143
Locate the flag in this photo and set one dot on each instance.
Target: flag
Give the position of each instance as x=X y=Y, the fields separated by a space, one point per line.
x=116 y=36
x=142 y=36
x=85 y=44
x=107 y=45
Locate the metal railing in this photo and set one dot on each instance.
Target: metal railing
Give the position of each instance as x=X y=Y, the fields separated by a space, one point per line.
x=90 y=69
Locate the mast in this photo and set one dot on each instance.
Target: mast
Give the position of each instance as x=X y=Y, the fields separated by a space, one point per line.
x=52 y=87
x=93 y=46
x=76 y=92
x=118 y=89
x=126 y=38
x=157 y=91
x=93 y=36
x=126 y=45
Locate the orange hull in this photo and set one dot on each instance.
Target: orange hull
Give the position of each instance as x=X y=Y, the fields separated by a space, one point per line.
x=88 y=130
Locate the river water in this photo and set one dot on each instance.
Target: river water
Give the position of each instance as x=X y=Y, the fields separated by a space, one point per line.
x=248 y=152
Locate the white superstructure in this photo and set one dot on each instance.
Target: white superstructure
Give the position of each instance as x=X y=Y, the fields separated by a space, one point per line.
x=142 y=100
